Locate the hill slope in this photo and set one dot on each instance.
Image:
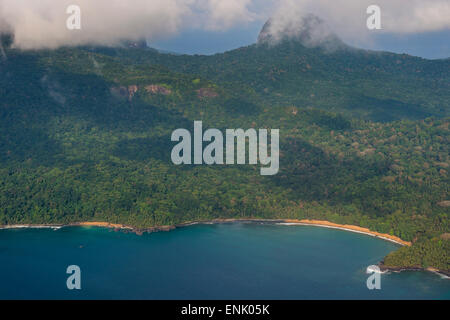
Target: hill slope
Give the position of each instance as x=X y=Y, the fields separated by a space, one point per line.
x=85 y=135
x=330 y=75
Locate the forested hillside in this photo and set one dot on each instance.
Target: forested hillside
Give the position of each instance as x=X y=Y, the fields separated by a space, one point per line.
x=364 y=138
x=378 y=86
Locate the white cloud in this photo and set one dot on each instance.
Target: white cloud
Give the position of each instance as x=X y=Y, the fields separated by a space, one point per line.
x=42 y=23
x=420 y=16
x=225 y=14
x=347 y=18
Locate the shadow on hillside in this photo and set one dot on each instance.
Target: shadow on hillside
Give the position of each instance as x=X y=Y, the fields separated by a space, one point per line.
x=145 y=149
x=313 y=175
x=385 y=110
x=25 y=107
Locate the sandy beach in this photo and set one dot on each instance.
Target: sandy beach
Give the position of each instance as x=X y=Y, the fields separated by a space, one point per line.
x=101 y=224
x=347 y=227
x=317 y=223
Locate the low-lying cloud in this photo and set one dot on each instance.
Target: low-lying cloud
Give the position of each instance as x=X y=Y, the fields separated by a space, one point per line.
x=347 y=18
x=42 y=24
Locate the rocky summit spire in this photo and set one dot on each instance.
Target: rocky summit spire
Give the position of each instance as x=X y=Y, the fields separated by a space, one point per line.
x=310 y=31
x=6 y=39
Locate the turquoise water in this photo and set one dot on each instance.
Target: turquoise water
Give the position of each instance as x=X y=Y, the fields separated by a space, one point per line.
x=226 y=261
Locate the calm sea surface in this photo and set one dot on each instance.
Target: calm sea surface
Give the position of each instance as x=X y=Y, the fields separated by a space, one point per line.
x=226 y=261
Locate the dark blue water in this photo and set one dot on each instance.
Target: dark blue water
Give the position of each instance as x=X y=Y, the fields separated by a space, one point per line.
x=232 y=261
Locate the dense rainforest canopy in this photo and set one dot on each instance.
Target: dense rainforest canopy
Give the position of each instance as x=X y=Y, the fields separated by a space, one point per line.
x=364 y=138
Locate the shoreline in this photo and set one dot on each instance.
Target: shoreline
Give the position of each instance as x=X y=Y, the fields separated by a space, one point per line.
x=442 y=274
x=306 y=222
x=347 y=227
x=281 y=222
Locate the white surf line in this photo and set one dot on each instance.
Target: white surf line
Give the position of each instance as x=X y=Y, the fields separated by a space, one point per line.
x=26 y=226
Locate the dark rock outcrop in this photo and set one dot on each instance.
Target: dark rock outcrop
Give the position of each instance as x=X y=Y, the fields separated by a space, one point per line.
x=310 y=31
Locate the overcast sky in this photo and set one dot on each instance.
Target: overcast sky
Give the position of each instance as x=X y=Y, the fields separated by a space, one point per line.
x=418 y=27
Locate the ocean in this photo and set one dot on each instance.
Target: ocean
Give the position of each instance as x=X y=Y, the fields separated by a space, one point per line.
x=221 y=261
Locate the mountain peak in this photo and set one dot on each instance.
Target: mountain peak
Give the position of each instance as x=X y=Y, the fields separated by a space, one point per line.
x=309 y=30
x=6 y=39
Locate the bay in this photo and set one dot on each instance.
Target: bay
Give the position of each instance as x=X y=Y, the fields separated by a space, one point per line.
x=222 y=261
